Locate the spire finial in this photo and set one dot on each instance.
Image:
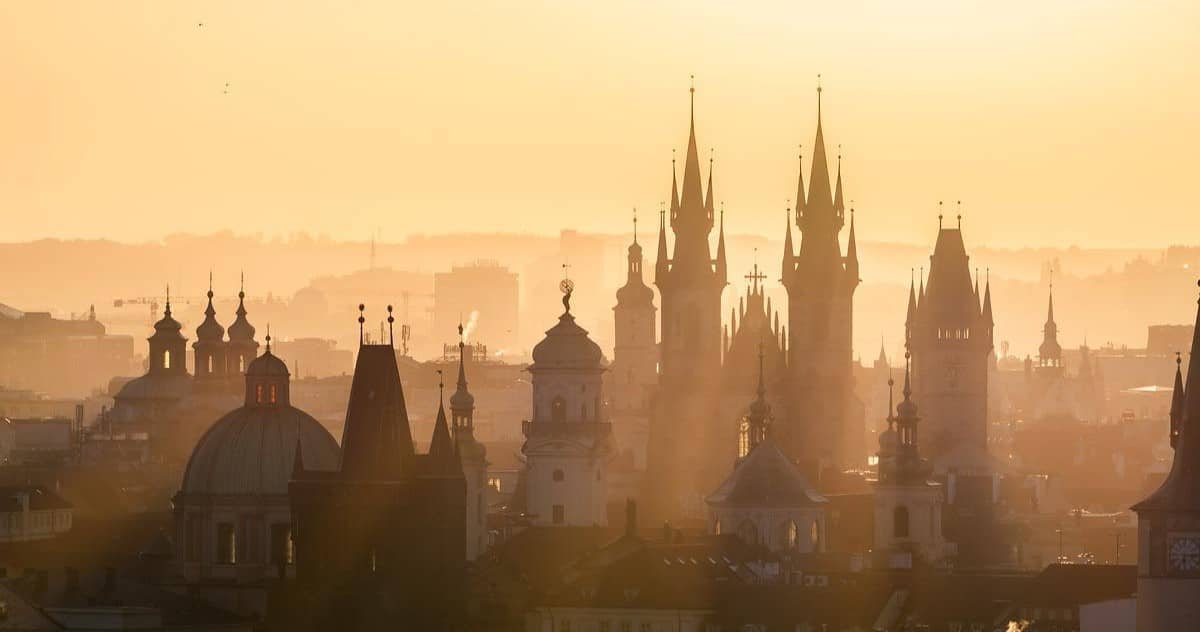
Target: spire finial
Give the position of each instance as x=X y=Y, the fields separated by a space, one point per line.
x=907 y=388
x=242 y=285
x=939 y=214
x=441 y=387
x=959 y=205
x=692 y=95
x=818 y=98
x=210 y=292
x=891 y=417
x=635 y=224
x=168 y=309
x=268 y=338
x=391 y=330
x=361 y=319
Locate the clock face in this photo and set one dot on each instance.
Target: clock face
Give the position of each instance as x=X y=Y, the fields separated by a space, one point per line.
x=1183 y=553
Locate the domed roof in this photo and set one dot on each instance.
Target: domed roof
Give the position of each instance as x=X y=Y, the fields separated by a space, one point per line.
x=635 y=293
x=567 y=345
x=156 y=387
x=250 y=452
x=210 y=330
x=241 y=329
x=168 y=326
x=267 y=365
x=461 y=399
x=887 y=441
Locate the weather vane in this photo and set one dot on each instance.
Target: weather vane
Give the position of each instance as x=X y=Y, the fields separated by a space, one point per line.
x=566 y=286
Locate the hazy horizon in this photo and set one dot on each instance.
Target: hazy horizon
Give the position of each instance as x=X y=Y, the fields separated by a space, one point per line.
x=1063 y=124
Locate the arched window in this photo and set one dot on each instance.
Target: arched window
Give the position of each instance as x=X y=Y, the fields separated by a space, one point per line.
x=273 y=394
x=166 y=359
x=717 y=527
x=743 y=438
x=558 y=476
x=558 y=410
x=210 y=364
x=258 y=393
x=814 y=536
x=241 y=364
x=900 y=522
x=791 y=535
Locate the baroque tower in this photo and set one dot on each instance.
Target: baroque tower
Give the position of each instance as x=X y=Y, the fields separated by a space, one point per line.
x=950 y=337
x=683 y=433
x=472 y=453
x=634 y=370
x=209 y=348
x=242 y=347
x=826 y=419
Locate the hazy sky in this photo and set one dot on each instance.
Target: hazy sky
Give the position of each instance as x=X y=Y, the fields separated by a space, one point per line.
x=1055 y=122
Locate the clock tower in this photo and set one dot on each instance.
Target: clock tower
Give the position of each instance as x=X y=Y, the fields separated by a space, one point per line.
x=1169 y=520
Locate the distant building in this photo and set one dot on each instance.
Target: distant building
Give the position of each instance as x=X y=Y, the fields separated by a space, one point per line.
x=316 y=357
x=485 y=296
x=29 y=513
x=65 y=358
x=36 y=441
x=1169 y=519
x=568 y=441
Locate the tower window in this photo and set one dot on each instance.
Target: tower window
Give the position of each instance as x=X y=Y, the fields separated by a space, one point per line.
x=900 y=522
x=558 y=514
x=241 y=364
x=717 y=527
x=273 y=399
x=166 y=359
x=558 y=410
x=792 y=535
x=583 y=412
x=282 y=549
x=258 y=393
x=210 y=364
x=814 y=536
x=226 y=543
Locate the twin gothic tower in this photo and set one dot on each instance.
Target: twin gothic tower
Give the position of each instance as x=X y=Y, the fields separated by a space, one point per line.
x=821 y=421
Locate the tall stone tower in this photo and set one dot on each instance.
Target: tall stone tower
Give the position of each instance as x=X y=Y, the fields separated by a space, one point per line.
x=826 y=425
x=950 y=338
x=1169 y=520
x=569 y=440
x=1050 y=351
x=690 y=281
x=634 y=370
x=242 y=347
x=167 y=345
x=471 y=453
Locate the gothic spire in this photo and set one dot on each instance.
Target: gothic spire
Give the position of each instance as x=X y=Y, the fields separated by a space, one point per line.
x=674 y=190
x=837 y=191
x=911 y=319
x=800 y=194
x=819 y=197
x=662 y=264
x=789 y=253
x=851 y=250
x=708 y=196
x=987 y=301
x=721 y=267
x=691 y=197
x=443 y=458
x=1177 y=401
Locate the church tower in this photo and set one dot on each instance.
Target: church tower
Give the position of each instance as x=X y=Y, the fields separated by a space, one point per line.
x=683 y=432
x=634 y=370
x=242 y=347
x=472 y=453
x=1169 y=520
x=569 y=440
x=950 y=338
x=167 y=345
x=209 y=348
x=1050 y=352
x=908 y=506
x=826 y=424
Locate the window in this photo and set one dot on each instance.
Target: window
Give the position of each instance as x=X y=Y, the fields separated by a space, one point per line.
x=559 y=517
x=166 y=359
x=193 y=537
x=210 y=364
x=583 y=412
x=792 y=535
x=258 y=393
x=558 y=476
x=717 y=527
x=558 y=410
x=282 y=548
x=900 y=522
x=226 y=543
x=273 y=394
x=814 y=536
x=494 y=482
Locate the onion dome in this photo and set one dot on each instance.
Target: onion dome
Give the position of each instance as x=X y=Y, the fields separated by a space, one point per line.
x=566 y=345
x=635 y=291
x=887 y=441
x=267 y=365
x=168 y=326
x=241 y=329
x=210 y=330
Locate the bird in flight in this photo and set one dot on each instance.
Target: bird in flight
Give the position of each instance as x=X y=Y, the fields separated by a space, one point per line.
x=226 y=90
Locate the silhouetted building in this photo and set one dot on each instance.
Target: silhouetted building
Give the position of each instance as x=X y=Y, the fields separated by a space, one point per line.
x=949 y=335
x=1169 y=519
x=634 y=370
x=826 y=426
x=380 y=542
x=753 y=330
x=684 y=433
x=65 y=358
x=568 y=442
x=473 y=455
x=233 y=526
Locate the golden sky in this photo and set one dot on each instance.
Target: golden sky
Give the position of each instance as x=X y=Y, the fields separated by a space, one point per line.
x=1055 y=122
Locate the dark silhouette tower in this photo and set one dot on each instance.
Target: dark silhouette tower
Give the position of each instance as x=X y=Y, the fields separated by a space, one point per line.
x=825 y=425
x=1169 y=520
x=168 y=346
x=472 y=453
x=1050 y=352
x=209 y=348
x=242 y=347
x=690 y=282
x=950 y=338
x=634 y=370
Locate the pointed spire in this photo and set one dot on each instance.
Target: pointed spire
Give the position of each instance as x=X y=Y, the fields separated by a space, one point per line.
x=662 y=263
x=1177 y=401
x=635 y=225
x=921 y=291
x=722 y=270
x=987 y=300
x=910 y=320
x=852 y=252
x=789 y=253
x=883 y=359
x=800 y=194
x=837 y=191
x=167 y=311
x=442 y=455
x=819 y=196
x=674 y=190
x=268 y=338
x=691 y=198
x=1050 y=305
x=708 y=196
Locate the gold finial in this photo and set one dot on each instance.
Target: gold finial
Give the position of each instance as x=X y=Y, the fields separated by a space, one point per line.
x=361 y=319
x=268 y=338
x=391 y=329
x=939 y=214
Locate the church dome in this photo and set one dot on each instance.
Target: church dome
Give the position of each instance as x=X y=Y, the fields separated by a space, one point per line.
x=635 y=294
x=241 y=329
x=168 y=326
x=267 y=365
x=567 y=345
x=250 y=452
x=887 y=441
x=210 y=330
x=462 y=399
